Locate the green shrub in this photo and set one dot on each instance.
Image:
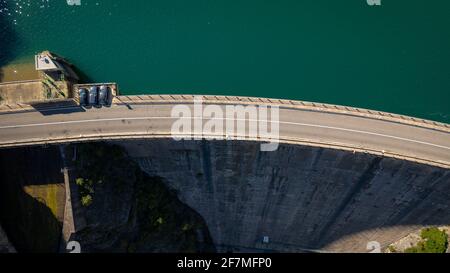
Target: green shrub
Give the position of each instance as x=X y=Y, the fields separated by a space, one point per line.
x=79 y=182
x=86 y=189
x=160 y=221
x=392 y=249
x=433 y=241
x=86 y=200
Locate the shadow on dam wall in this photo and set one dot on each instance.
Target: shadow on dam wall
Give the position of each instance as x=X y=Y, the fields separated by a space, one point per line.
x=300 y=197
x=32 y=198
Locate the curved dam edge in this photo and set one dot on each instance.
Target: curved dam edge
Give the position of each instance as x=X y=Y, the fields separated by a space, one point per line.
x=150 y=117
x=302 y=198
x=284 y=103
x=304 y=142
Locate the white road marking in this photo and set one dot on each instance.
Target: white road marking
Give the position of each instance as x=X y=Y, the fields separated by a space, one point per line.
x=253 y=120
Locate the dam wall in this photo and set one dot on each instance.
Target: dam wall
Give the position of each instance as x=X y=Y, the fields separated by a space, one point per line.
x=299 y=198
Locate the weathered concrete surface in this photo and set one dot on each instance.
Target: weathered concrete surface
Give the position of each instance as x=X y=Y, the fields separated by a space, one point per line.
x=301 y=197
x=40 y=90
x=73 y=211
x=17 y=92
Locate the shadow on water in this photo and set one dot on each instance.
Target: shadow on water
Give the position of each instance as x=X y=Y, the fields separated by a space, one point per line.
x=83 y=77
x=9 y=39
x=29 y=222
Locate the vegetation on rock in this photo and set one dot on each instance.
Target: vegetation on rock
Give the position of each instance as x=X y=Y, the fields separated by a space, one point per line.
x=132 y=211
x=433 y=240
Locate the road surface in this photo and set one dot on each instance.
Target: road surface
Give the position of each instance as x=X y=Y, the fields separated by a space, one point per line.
x=302 y=126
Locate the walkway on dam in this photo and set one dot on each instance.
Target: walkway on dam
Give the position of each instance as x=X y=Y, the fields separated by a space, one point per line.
x=299 y=123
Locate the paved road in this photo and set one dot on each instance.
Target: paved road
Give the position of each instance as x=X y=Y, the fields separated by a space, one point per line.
x=296 y=125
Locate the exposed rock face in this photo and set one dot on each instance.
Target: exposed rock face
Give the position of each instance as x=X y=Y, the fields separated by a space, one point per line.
x=300 y=197
x=132 y=211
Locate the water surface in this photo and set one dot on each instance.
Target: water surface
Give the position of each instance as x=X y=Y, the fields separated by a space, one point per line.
x=394 y=57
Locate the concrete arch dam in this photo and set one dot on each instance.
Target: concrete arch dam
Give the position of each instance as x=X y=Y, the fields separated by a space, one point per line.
x=314 y=124
x=341 y=177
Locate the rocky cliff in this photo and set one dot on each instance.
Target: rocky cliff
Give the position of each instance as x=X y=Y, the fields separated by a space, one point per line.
x=126 y=210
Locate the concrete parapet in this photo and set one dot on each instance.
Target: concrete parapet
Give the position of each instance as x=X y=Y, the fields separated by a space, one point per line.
x=313 y=106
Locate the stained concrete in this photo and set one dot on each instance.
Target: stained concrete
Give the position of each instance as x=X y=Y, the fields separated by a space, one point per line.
x=21 y=92
x=300 y=197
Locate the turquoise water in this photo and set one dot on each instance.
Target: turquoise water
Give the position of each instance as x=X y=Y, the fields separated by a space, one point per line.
x=394 y=57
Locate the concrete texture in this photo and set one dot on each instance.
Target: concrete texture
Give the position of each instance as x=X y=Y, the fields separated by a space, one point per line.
x=301 y=197
x=17 y=92
x=73 y=211
x=42 y=89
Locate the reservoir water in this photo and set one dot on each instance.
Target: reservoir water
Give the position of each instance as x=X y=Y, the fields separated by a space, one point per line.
x=394 y=57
